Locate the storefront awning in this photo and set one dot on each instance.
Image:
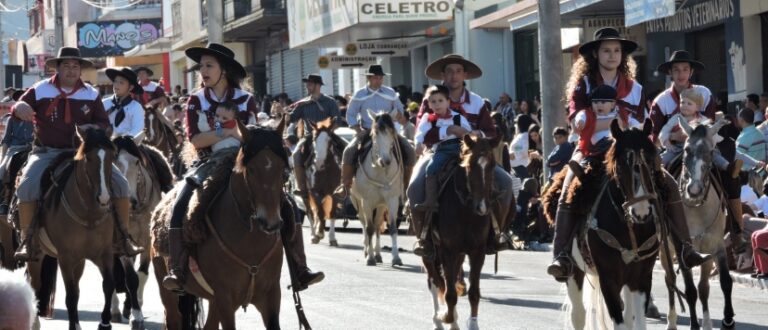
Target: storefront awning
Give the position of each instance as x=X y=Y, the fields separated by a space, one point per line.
x=525 y=15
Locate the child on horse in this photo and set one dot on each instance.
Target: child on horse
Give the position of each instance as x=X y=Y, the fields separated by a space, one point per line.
x=125 y=113
x=225 y=119
x=452 y=127
x=592 y=142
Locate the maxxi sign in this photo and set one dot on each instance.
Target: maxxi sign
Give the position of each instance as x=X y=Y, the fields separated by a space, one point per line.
x=399 y=11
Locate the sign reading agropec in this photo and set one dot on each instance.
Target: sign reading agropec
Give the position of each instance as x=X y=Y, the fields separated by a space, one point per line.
x=397 y=11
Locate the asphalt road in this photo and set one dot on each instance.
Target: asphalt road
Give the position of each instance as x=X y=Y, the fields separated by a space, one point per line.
x=356 y=296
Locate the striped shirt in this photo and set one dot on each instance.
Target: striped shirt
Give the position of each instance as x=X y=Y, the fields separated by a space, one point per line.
x=314 y=111
x=752 y=143
x=383 y=100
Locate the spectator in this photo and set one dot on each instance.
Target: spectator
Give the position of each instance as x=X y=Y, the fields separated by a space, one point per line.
x=500 y=150
x=405 y=127
x=177 y=90
x=506 y=109
x=760 y=253
x=562 y=152
x=342 y=103
x=750 y=145
x=17 y=302
x=518 y=150
x=763 y=106
x=184 y=92
x=752 y=103
x=8 y=95
x=534 y=139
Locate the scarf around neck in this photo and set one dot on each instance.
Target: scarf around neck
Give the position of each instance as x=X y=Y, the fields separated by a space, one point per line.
x=62 y=94
x=119 y=106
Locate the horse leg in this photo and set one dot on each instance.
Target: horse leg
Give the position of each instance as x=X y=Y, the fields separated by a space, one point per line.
x=328 y=209
x=269 y=307
x=706 y=269
x=212 y=319
x=393 y=205
x=226 y=315
x=108 y=288
x=451 y=266
x=613 y=303
x=576 y=297
x=672 y=314
x=311 y=205
x=132 y=309
x=143 y=275
x=726 y=284
x=169 y=299
x=71 y=271
x=476 y=261
x=378 y=220
x=370 y=230
x=691 y=296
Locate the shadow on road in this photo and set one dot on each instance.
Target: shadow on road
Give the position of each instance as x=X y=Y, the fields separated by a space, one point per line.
x=95 y=316
x=524 y=303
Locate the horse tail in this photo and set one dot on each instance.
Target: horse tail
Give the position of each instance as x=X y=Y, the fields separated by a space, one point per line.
x=595 y=305
x=190 y=307
x=45 y=294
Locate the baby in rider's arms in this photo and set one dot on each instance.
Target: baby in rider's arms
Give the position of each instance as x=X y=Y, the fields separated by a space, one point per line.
x=592 y=141
x=673 y=138
x=226 y=118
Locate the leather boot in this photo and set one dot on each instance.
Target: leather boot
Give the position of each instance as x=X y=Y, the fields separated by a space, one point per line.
x=679 y=227
x=347 y=174
x=738 y=243
x=431 y=190
x=28 y=249
x=294 y=250
x=565 y=224
x=177 y=261
x=300 y=174
x=123 y=217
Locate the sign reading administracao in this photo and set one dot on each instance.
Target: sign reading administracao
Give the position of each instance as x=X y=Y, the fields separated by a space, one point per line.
x=112 y=38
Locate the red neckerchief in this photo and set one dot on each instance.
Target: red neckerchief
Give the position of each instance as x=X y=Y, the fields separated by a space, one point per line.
x=434 y=117
x=65 y=95
x=676 y=97
x=458 y=106
x=229 y=123
x=623 y=88
x=227 y=97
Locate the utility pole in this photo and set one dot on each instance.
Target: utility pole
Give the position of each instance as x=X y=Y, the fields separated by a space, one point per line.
x=551 y=71
x=215 y=17
x=58 y=32
x=2 y=49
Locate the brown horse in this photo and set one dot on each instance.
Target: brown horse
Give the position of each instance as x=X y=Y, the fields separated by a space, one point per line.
x=322 y=156
x=8 y=237
x=160 y=133
x=78 y=204
x=464 y=221
x=239 y=259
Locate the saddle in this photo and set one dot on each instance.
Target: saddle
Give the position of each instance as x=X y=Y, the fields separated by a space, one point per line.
x=55 y=177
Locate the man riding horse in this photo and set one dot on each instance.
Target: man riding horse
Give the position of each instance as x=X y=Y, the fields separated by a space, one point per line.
x=607 y=60
x=57 y=105
x=381 y=99
x=152 y=94
x=221 y=75
x=453 y=70
x=681 y=67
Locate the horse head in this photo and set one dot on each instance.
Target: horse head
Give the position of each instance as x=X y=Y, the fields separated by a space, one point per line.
x=93 y=160
x=323 y=142
x=129 y=161
x=383 y=137
x=697 y=159
x=262 y=162
x=478 y=163
x=631 y=162
x=152 y=125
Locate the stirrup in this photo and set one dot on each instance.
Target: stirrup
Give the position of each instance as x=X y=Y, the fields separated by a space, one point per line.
x=422 y=249
x=173 y=282
x=557 y=265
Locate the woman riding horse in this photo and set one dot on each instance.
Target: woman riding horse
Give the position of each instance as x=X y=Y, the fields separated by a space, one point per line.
x=221 y=75
x=607 y=60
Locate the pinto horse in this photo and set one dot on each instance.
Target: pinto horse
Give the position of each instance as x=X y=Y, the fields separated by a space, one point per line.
x=78 y=204
x=239 y=261
x=619 y=240
x=322 y=157
x=378 y=188
x=464 y=221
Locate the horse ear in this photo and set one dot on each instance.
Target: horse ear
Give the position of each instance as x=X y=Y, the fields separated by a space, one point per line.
x=615 y=129
x=371 y=114
x=243 y=131
x=647 y=127
x=685 y=126
x=468 y=141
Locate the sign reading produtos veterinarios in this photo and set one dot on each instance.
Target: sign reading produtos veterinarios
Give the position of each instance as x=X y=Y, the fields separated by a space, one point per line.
x=396 y=10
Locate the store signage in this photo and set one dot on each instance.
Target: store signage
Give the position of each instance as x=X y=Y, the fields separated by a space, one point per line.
x=113 y=38
x=638 y=11
x=377 y=48
x=635 y=33
x=310 y=20
x=694 y=16
x=333 y=62
x=399 y=11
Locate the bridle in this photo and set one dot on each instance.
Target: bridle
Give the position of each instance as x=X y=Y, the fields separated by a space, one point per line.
x=639 y=165
x=685 y=178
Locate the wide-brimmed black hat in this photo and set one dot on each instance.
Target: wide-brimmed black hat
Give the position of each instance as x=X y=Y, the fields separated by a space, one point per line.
x=607 y=34
x=313 y=77
x=17 y=94
x=128 y=74
x=679 y=56
x=603 y=93
x=145 y=69
x=376 y=70
x=225 y=56
x=68 y=53
x=8 y=89
x=435 y=69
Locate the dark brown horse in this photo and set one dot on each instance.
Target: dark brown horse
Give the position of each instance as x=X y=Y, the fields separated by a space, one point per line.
x=238 y=261
x=464 y=221
x=160 y=133
x=322 y=157
x=78 y=204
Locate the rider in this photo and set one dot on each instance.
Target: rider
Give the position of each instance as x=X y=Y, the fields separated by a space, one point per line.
x=681 y=67
x=606 y=60
x=125 y=114
x=451 y=127
x=154 y=94
x=594 y=142
x=453 y=70
x=221 y=75
x=57 y=105
x=379 y=98
x=17 y=138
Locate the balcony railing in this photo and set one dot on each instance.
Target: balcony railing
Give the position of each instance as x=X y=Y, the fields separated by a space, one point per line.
x=236 y=9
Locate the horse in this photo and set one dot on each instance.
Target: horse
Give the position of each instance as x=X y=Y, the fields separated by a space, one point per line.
x=145 y=168
x=705 y=213
x=9 y=239
x=78 y=204
x=466 y=217
x=378 y=187
x=617 y=244
x=238 y=261
x=322 y=156
x=161 y=135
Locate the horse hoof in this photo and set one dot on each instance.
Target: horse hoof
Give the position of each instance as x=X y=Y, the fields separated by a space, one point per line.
x=127 y=312
x=653 y=312
x=137 y=325
x=105 y=327
x=117 y=317
x=378 y=259
x=315 y=240
x=334 y=243
x=397 y=262
x=371 y=262
x=727 y=325
x=448 y=319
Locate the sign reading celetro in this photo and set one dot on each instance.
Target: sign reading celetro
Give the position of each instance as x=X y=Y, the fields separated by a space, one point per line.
x=111 y=38
x=699 y=15
x=399 y=11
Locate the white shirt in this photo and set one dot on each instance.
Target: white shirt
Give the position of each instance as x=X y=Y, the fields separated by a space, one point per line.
x=226 y=143
x=442 y=124
x=519 y=148
x=133 y=123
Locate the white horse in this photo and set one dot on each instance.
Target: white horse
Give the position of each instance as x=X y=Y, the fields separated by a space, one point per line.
x=378 y=187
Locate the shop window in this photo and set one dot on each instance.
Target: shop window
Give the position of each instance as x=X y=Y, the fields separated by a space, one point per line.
x=527 y=64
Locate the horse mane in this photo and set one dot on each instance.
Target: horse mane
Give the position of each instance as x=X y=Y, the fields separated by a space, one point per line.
x=126 y=143
x=631 y=138
x=551 y=196
x=53 y=190
x=159 y=164
x=384 y=121
x=258 y=139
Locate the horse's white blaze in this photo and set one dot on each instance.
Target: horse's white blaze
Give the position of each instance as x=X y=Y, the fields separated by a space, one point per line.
x=640 y=209
x=104 y=193
x=152 y=127
x=321 y=149
x=268 y=165
x=483 y=162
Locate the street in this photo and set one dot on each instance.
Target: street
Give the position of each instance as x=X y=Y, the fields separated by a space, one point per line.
x=355 y=296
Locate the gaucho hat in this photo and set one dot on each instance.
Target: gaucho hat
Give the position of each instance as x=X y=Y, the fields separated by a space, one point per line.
x=607 y=34
x=225 y=56
x=435 y=69
x=145 y=69
x=313 y=77
x=376 y=70
x=679 y=56
x=68 y=53
x=128 y=74
x=603 y=93
x=17 y=94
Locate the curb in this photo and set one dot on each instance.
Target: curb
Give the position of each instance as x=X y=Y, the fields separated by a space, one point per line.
x=747 y=280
